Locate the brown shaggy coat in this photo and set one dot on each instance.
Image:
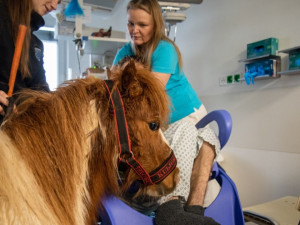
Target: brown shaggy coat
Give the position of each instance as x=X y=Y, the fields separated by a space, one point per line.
x=58 y=152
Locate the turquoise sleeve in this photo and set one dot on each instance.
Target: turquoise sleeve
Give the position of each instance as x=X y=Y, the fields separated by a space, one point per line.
x=123 y=52
x=164 y=58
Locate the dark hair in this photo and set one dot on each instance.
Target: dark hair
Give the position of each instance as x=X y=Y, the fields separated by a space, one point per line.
x=20 y=13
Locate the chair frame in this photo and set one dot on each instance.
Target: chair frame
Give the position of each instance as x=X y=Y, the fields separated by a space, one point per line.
x=225 y=209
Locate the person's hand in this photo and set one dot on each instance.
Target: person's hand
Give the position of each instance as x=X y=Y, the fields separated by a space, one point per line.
x=173 y=213
x=3 y=102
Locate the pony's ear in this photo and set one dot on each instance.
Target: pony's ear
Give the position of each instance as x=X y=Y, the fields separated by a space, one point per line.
x=130 y=82
x=108 y=72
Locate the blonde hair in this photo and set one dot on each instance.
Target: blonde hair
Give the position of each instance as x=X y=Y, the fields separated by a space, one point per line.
x=152 y=7
x=20 y=13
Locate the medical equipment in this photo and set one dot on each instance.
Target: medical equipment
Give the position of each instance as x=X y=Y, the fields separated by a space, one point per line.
x=172 y=14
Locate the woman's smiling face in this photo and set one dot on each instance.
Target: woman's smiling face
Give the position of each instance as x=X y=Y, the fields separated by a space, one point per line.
x=140 y=26
x=43 y=7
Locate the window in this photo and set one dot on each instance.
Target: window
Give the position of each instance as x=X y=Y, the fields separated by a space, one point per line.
x=51 y=63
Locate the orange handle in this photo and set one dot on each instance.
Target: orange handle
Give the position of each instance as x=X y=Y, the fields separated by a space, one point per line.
x=16 y=59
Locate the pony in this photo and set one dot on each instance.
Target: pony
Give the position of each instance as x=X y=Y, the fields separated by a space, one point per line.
x=60 y=153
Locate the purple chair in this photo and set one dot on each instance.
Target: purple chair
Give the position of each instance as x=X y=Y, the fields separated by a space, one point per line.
x=225 y=209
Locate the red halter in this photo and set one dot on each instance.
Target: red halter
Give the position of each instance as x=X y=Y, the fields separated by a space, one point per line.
x=156 y=175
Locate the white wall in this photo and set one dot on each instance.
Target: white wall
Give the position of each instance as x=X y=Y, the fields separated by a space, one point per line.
x=263 y=154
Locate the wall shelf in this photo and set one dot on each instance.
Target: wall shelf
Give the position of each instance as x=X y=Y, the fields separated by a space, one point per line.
x=287 y=51
x=98 y=45
x=261 y=77
x=276 y=57
x=101 y=45
x=289 y=72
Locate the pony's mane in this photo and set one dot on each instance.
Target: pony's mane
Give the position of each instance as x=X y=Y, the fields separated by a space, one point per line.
x=68 y=136
x=49 y=129
x=152 y=89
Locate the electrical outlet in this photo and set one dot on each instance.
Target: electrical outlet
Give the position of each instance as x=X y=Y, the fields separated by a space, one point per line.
x=229 y=79
x=222 y=81
x=236 y=78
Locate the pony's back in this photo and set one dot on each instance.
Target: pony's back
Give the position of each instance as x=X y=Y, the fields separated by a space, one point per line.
x=44 y=148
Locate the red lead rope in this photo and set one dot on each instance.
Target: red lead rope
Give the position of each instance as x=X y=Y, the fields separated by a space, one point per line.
x=156 y=175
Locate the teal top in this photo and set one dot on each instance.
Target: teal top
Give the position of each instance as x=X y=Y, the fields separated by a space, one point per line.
x=165 y=60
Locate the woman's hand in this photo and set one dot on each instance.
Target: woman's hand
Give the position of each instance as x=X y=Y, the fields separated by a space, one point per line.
x=3 y=102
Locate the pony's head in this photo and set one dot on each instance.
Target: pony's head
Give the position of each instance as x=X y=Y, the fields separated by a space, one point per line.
x=146 y=107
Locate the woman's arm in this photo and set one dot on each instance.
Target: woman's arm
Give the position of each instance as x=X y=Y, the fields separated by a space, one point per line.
x=163 y=77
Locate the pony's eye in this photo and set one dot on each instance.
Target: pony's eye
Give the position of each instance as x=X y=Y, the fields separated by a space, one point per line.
x=153 y=126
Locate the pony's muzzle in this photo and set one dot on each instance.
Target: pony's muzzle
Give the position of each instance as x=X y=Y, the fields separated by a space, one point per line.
x=171 y=181
x=166 y=186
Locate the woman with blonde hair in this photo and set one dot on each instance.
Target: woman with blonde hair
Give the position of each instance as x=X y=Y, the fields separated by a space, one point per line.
x=31 y=73
x=195 y=150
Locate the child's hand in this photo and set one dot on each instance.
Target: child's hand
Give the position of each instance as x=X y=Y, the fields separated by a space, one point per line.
x=3 y=102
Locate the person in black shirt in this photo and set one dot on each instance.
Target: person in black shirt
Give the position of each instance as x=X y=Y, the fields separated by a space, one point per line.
x=31 y=73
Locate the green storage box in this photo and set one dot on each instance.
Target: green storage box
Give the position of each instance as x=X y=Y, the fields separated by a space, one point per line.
x=294 y=60
x=264 y=47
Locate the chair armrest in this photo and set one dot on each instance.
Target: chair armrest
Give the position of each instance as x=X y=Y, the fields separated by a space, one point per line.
x=224 y=122
x=116 y=212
